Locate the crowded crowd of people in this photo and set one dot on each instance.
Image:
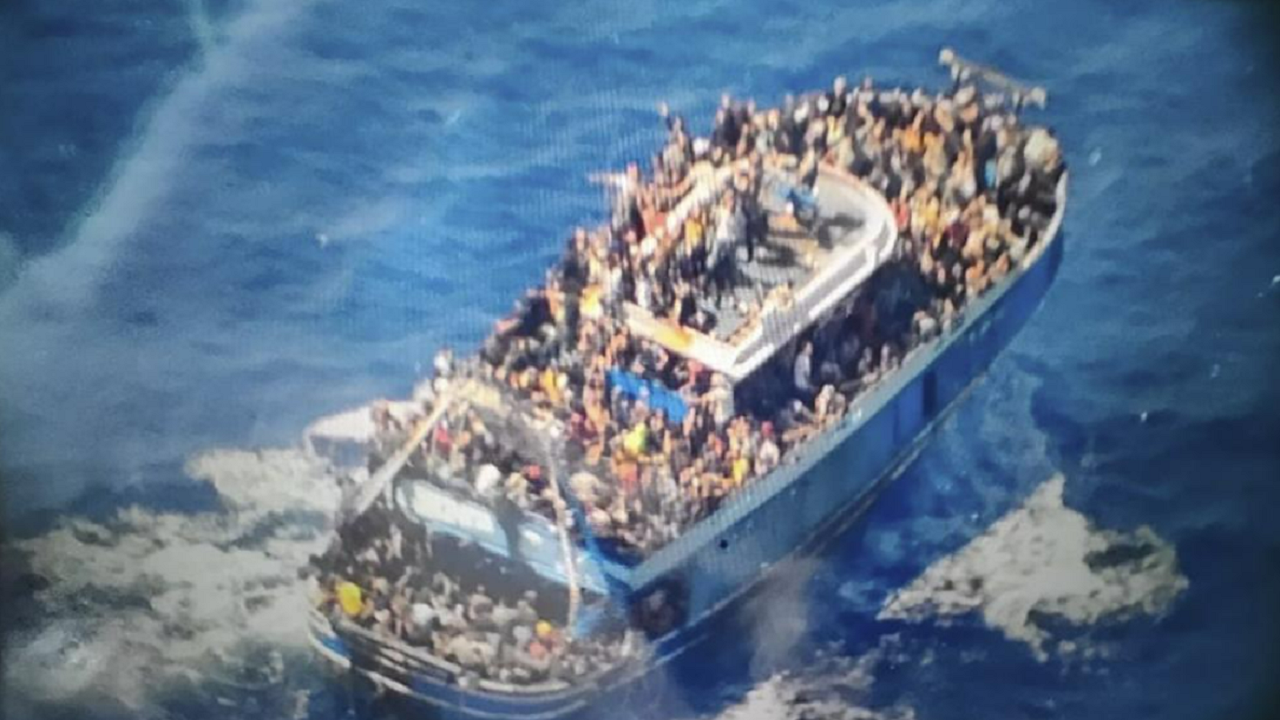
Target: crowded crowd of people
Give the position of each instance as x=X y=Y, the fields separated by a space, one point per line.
x=388 y=575
x=972 y=191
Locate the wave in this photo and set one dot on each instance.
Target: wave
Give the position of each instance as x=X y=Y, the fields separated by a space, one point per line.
x=143 y=601
x=145 y=605
x=834 y=686
x=1044 y=560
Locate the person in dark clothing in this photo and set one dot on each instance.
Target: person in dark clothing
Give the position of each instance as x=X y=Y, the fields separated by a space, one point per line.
x=675 y=123
x=574 y=271
x=743 y=113
x=794 y=416
x=757 y=228
x=838 y=98
x=893 y=186
x=686 y=269
x=733 y=120
x=509 y=516
x=722 y=272
x=495 y=349
x=534 y=312
x=984 y=151
x=725 y=134
x=687 y=306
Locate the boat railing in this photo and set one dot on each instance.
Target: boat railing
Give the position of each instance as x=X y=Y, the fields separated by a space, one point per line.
x=963 y=70
x=405 y=662
x=833 y=282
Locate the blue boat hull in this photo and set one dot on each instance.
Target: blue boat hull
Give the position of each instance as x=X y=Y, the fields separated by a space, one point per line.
x=824 y=491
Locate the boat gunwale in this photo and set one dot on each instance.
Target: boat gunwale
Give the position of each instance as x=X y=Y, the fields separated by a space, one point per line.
x=544 y=689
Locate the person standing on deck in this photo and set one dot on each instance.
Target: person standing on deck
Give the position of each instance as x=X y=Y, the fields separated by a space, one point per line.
x=755 y=221
x=802 y=372
x=724 y=247
x=838 y=98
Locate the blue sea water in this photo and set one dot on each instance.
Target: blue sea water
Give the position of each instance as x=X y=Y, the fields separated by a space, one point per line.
x=219 y=220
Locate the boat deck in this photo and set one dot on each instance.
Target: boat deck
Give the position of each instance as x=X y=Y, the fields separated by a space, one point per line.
x=853 y=234
x=790 y=254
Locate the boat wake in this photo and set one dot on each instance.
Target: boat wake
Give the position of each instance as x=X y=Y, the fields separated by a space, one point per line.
x=147 y=611
x=1043 y=562
x=143 y=604
x=833 y=687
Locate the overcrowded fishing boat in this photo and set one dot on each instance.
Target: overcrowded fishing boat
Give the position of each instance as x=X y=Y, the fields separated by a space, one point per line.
x=713 y=381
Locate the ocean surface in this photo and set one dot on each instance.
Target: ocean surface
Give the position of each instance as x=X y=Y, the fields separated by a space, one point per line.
x=222 y=220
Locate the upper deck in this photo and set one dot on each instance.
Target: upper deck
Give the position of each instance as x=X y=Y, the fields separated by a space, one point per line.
x=795 y=277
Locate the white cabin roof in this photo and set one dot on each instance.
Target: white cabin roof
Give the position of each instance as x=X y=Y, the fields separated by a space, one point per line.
x=857 y=234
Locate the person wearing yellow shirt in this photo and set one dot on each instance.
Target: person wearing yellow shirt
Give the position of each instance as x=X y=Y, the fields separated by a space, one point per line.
x=350 y=598
x=636 y=440
x=550 y=384
x=591 y=306
x=692 y=231
x=741 y=469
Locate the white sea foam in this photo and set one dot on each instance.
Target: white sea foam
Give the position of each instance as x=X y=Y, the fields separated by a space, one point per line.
x=778 y=618
x=1044 y=558
x=145 y=602
x=146 y=599
x=832 y=687
x=9 y=256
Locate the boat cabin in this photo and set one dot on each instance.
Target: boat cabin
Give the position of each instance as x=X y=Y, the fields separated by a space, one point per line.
x=793 y=281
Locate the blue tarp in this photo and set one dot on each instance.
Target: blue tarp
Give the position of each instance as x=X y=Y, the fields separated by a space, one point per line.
x=801 y=196
x=659 y=397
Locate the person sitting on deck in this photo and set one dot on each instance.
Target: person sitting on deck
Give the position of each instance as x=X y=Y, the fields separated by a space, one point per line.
x=769 y=455
x=797 y=423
